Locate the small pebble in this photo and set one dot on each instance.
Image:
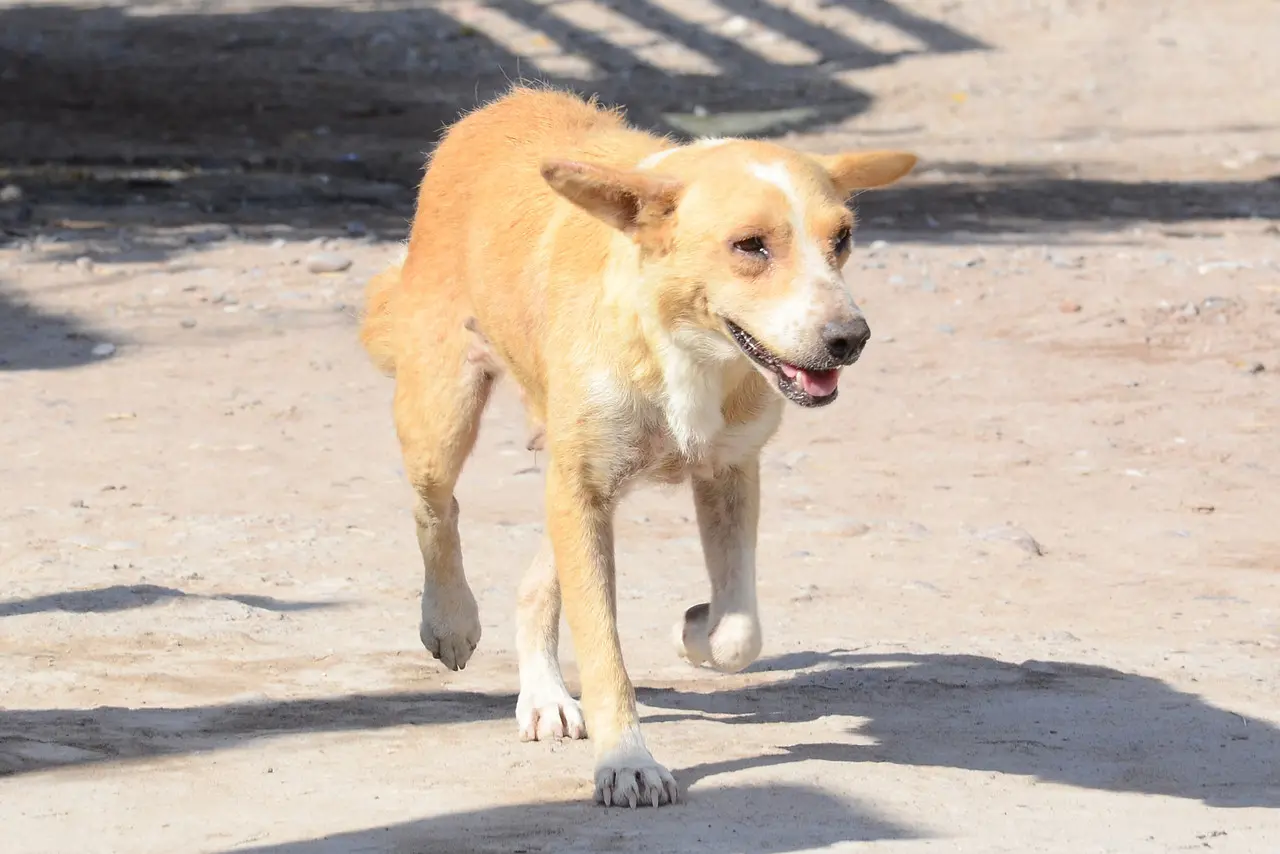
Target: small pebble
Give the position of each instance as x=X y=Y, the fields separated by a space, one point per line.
x=1205 y=269
x=1013 y=535
x=1073 y=263
x=1254 y=368
x=188 y=323
x=104 y=349
x=10 y=193
x=84 y=262
x=947 y=329
x=327 y=262
x=1068 y=307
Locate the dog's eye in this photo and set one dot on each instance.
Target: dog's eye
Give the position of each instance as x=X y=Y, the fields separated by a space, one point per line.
x=842 y=240
x=752 y=246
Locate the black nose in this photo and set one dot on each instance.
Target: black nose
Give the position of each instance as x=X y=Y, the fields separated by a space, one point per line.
x=845 y=339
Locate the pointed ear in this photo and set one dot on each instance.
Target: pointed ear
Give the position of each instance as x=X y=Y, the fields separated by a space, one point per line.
x=866 y=170
x=624 y=200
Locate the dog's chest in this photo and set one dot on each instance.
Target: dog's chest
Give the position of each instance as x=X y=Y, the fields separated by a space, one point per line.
x=670 y=450
x=682 y=430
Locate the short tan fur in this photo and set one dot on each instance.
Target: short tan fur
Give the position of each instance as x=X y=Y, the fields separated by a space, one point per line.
x=657 y=304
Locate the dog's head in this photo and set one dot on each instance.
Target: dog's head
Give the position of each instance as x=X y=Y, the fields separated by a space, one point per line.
x=744 y=242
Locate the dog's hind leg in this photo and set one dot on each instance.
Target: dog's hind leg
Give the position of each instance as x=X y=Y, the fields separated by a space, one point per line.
x=545 y=709
x=440 y=396
x=725 y=633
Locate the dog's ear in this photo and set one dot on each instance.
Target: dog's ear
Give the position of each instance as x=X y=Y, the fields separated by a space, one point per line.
x=866 y=170
x=628 y=201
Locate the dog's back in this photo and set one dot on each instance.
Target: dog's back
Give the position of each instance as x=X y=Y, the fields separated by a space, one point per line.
x=484 y=212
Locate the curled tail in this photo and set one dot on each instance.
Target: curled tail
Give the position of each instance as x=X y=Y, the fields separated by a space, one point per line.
x=375 y=326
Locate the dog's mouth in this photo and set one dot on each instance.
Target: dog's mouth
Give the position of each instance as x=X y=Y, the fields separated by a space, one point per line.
x=806 y=386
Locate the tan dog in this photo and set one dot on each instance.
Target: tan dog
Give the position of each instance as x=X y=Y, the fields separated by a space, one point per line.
x=656 y=304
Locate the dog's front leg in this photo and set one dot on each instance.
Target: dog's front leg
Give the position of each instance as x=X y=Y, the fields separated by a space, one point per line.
x=580 y=522
x=545 y=709
x=725 y=633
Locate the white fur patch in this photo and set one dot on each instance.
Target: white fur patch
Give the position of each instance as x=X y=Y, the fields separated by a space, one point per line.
x=817 y=281
x=814 y=264
x=741 y=441
x=694 y=385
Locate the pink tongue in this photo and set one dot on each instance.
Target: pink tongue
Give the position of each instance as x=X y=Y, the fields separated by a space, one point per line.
x=818 y=383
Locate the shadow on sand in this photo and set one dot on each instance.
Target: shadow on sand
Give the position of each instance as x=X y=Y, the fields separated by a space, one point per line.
x=1073 y=724
x=124 y=597
x=747 y=819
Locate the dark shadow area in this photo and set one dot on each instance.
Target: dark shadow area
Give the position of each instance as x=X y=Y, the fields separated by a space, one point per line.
x=744 y=819
x=122 y=597
x=1072 y=724
x=38 y=739
x=298 y=85
x=1030 y=203
x=312 y=117
x=306 y=121
x=33 y=339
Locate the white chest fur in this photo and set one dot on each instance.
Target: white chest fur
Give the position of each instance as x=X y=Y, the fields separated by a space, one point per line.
x=698 y=371
x=682 y=430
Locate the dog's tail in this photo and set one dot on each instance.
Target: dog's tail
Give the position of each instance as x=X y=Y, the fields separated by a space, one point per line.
x=375 y=326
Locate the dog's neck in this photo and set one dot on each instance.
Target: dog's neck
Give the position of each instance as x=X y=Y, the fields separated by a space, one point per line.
x=685 y=372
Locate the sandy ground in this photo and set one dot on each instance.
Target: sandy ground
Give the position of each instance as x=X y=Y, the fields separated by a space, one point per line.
x=1021 y=585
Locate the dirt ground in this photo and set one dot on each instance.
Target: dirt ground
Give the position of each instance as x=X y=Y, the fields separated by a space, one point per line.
x=1020 y=585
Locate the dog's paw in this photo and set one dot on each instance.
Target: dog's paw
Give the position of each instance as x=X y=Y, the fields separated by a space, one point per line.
x=547 y=712
x=733 y=644
x=450 y=628
x=631 y=778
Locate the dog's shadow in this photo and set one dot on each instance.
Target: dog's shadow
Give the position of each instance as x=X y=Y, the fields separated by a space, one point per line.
x=746 y=819
x=1075 y=724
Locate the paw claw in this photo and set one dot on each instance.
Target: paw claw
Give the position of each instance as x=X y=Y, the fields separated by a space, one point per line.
x=634 y=782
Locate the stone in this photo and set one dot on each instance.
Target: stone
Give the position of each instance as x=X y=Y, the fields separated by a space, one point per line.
x=327 y=262
x=1014 y=536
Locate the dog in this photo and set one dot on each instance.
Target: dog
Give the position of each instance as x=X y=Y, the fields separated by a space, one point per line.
x=658 y=304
